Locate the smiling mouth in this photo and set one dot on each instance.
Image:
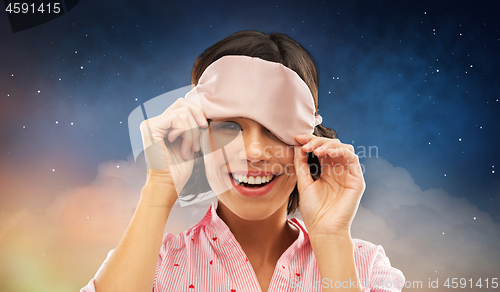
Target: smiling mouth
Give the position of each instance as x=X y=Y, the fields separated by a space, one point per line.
x=252 y=182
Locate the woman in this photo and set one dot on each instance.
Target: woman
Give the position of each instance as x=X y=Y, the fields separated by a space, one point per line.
x=252 y=123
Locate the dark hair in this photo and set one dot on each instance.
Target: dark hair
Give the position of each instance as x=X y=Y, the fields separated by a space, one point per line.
x=273 y=47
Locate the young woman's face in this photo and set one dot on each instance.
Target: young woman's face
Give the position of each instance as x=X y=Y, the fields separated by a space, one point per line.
x=248 y=167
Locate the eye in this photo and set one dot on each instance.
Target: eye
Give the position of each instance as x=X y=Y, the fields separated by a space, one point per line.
x=230 y=126
x=225 y=127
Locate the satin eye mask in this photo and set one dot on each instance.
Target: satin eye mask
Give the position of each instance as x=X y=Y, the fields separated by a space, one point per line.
x=267 y=92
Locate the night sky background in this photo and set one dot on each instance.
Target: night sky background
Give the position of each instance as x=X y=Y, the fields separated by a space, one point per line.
x=416 y=80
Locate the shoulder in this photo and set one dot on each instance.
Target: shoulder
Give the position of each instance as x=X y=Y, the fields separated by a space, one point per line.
x=174 y=243
x=366 y=249
x=374 y=267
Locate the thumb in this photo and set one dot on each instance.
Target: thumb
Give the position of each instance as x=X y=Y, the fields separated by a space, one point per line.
x=304 y=178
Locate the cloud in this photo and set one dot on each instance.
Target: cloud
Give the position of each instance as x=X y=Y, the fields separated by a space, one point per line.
x=70 y=240
x=426 y=233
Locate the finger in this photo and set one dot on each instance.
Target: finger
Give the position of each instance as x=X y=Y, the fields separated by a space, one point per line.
x=350 y=159
x=177 y=126
x=347 y=146
x=193 y=128
x=195 y=110
x=323 y=149
x=351 y=148
x=164 y=122
x=187 y=136
x=302 y=171
x=304 y=138
x=314 y=143
x=323 y=157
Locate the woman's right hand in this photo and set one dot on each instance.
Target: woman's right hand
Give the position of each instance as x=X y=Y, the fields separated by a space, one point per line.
x=132 y=265
x=170 y=161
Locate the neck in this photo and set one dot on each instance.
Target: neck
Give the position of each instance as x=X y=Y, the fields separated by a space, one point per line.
x=263 y=241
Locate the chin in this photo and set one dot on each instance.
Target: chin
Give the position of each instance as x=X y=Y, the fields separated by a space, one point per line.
x=251 y=211
x=253 y=215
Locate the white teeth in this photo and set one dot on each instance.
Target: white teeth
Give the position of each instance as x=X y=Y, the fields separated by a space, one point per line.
x=255 y=180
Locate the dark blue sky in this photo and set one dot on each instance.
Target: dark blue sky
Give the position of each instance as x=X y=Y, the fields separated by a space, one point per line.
x=416 y=79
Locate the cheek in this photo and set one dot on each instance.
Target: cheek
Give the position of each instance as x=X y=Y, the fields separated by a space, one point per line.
x=288 y=173
x=205 y=143
x=287 y=161
x=217 y=179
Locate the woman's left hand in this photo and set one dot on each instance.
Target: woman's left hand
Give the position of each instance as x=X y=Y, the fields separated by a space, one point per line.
x=328 y=204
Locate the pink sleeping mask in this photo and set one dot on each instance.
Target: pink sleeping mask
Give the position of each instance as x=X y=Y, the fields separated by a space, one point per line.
x=267 y=92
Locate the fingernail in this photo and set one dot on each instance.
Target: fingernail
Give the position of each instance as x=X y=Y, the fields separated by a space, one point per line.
x=197 y=146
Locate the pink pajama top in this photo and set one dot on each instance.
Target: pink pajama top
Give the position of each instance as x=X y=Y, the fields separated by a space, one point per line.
x=207 y=257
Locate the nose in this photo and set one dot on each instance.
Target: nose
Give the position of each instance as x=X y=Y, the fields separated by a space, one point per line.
x=257 y=148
